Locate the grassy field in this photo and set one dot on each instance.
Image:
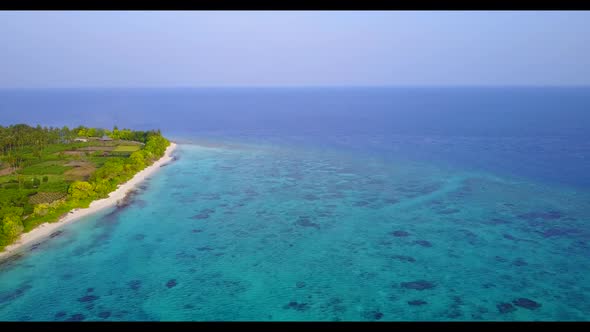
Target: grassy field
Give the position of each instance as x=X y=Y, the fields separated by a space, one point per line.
x=126 y=148
x=45 y=168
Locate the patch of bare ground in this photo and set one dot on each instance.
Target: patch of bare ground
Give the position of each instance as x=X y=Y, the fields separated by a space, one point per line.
x=81 y=170
x=6 y=171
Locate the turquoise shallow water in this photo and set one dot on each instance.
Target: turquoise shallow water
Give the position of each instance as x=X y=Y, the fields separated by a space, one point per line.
x=270 y=232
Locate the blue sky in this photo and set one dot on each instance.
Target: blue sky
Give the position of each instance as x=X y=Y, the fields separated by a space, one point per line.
x=171 y=49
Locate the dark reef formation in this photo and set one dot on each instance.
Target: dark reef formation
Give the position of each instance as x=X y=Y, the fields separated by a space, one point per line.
x=88 y=298
x=418 y=285
x=134 y=284
x=504 y=307
x=523 y=302
x=423 y=243
x=400 y=233
x=305 y=221
x=403 y=258
x=60 y=314
x=171 y=283
x=104 y=314
x=417 y=302
x=372 y=315
x=76 y=318
x=296 y=306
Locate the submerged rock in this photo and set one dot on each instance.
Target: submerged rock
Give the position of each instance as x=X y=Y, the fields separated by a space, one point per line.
x=471 y=237
x=88 y=298
x=404 y=258
x=418 y=285
x=11 y=259
x=454 y=313
x=526 y=303
x=296 y=306
x=423 y=243
x=305 y=222
x=372 y=315
x=134 y=284
x=55 y=234
x=200 y=216
x=519 y=262
x=500 y=259
x=104 y=314
x=448 y=211
x=76 y=318
x=60 y=314
x=504 y=307
x=400 y=233
x=11 y=296
x=417 y=302
x=310 y=197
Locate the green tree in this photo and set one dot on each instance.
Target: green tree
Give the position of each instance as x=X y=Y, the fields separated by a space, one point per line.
x=137 y=158
x=102 y=187
x=12 y=226
x=92 y=132
x=81 y=190
x=82 y=132
x=41 y=209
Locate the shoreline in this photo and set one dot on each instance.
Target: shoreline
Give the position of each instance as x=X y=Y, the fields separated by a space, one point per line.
x=45 y=229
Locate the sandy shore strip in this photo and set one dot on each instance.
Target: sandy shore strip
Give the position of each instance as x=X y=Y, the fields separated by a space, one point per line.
x=44 y=230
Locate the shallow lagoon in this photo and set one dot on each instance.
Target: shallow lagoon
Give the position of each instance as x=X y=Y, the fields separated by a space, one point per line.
x=274 y=232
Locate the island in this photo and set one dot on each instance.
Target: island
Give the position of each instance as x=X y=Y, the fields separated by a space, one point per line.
x=50 y=176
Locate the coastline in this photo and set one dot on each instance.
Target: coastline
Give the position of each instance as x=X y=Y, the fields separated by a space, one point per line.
x=44 y=230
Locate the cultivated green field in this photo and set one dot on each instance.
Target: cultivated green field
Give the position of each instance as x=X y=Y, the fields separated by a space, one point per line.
x=126 y=148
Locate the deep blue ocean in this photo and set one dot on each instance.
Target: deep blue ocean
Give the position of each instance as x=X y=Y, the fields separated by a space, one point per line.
x=288 y=204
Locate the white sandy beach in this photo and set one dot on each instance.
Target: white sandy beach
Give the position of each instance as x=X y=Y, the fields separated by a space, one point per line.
x=44 y=230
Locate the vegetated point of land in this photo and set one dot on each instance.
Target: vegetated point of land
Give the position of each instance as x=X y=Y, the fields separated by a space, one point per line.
x=46 y=172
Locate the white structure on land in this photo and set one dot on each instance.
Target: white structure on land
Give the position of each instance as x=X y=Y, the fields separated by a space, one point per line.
x=78 y=139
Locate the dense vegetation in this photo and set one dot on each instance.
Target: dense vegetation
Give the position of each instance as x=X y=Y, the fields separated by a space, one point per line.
x=45 y=172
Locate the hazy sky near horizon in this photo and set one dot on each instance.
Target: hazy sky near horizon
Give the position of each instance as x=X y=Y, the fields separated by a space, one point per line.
x=224 y=48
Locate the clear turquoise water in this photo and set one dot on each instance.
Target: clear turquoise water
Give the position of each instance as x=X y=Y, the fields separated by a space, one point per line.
x=325 y=204
x=274 y=232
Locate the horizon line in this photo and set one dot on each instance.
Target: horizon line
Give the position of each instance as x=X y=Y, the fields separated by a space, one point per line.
x=304 y=86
